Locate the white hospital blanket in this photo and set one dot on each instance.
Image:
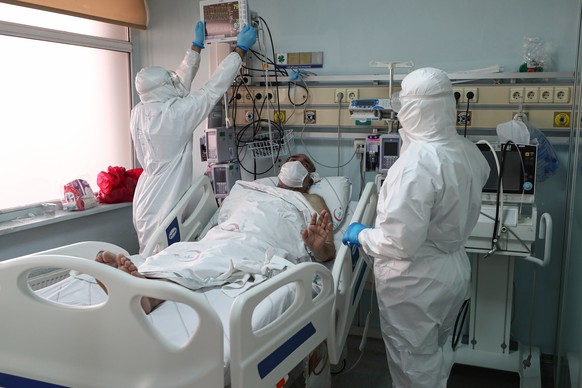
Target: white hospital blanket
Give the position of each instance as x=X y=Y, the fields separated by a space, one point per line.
x=255 y=224
x=175 y=321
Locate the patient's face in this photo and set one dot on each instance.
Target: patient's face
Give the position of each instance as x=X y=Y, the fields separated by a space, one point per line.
x=309 y=166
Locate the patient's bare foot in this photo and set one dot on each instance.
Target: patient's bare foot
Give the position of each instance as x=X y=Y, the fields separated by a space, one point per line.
x=124 y=264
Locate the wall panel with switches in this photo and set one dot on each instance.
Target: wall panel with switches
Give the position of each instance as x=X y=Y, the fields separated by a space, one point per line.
x=548 y=106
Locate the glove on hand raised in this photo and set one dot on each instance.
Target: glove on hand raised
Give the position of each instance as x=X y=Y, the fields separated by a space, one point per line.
x=246 y=38
x=199 y=34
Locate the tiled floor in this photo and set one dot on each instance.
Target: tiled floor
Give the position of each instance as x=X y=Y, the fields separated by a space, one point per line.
x=372 y=371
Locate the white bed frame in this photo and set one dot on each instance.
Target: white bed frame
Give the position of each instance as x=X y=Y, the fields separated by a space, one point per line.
x=51 y=342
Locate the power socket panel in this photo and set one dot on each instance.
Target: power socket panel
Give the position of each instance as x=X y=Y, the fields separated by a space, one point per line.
x=359 y=146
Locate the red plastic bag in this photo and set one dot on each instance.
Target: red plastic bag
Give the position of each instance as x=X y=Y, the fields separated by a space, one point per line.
x=117 y=184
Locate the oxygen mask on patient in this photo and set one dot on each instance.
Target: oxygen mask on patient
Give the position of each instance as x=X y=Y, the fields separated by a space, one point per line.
x=293 y=174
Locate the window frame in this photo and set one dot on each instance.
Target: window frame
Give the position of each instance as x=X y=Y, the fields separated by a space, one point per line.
x=75 y=39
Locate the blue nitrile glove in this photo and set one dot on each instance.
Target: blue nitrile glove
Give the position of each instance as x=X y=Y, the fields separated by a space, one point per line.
x=246 y=38
x=351 y=235
x=199 y=34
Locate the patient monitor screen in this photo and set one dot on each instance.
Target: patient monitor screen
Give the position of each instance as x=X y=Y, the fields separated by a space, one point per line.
x=223 y=20
x=512 y=173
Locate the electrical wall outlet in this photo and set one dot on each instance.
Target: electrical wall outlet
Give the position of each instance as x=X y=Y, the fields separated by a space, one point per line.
x=531 y=94
x=546 y=94
x=562 y=94
x=460 y=91
x=359 y=146
x=337 y=95
x=516 y=95
x=352 y=94
x=475 y=92
x=463 y=94
x=271 y=95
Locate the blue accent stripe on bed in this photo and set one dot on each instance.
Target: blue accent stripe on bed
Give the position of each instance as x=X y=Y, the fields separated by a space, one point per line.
x=173 y=232
x=10 y=381
x=282 y=352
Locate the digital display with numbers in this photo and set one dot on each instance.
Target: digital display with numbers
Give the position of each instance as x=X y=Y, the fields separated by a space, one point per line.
x=223 y=19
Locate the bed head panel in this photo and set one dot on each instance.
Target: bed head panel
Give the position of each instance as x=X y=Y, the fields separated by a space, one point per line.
x=187 y=219
x=111 y=344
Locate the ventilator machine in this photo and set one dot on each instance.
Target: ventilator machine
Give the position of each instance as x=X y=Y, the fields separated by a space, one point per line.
x=505 y=232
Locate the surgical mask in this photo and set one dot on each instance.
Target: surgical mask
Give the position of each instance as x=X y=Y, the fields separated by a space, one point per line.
x=293 y=174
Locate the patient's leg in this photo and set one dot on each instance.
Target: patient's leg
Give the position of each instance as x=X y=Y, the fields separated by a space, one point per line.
x=124 y=264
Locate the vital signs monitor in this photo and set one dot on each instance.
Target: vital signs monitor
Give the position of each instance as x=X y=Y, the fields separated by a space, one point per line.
x=223 y=19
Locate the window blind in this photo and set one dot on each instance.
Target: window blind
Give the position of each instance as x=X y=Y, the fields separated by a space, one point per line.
x=130 y=13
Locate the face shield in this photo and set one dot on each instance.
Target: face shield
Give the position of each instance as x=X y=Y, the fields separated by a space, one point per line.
x=177 y=84
x=395 y=103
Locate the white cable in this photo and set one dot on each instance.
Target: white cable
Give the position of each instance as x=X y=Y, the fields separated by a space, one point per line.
x=339 y=133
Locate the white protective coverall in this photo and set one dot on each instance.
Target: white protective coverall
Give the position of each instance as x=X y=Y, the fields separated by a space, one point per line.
x=427 y=208
x=162 y=127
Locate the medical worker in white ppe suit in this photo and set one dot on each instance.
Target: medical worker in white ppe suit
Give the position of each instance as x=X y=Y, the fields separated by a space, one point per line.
x=427 y=208
x=163 y=123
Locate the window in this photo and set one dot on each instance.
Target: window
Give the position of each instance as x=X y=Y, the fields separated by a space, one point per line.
x=65 y=103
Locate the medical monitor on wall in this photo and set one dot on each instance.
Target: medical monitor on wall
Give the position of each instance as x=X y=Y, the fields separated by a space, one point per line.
x=223 y=19
x=518 y=175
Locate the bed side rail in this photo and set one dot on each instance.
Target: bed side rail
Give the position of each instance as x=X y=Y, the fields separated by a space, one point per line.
x=350 y=272
x=188 y=218
x=109 y=344
x=84 y=249
x=263 y=357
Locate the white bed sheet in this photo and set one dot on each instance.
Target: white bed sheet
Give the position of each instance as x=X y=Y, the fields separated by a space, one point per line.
x=173 y=320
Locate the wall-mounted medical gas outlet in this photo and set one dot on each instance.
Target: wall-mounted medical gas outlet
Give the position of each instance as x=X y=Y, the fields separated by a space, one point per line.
x=516 y=95
x=531 y=94
x=561 y=119
x=309 y=117
x=463 y=94
x=340 y=93
x=249 y=116
x=352 y=94
x=463 y=117
x=280 y=116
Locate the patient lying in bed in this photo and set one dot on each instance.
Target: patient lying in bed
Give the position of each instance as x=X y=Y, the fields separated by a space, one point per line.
x=259 y=230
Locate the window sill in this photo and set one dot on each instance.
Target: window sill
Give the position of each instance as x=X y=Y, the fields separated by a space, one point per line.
x=34 y=217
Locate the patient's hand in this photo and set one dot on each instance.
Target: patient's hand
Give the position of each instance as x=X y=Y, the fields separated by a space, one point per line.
x=318 y=236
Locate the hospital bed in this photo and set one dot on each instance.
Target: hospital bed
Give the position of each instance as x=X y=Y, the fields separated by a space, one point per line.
x=112 y=343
